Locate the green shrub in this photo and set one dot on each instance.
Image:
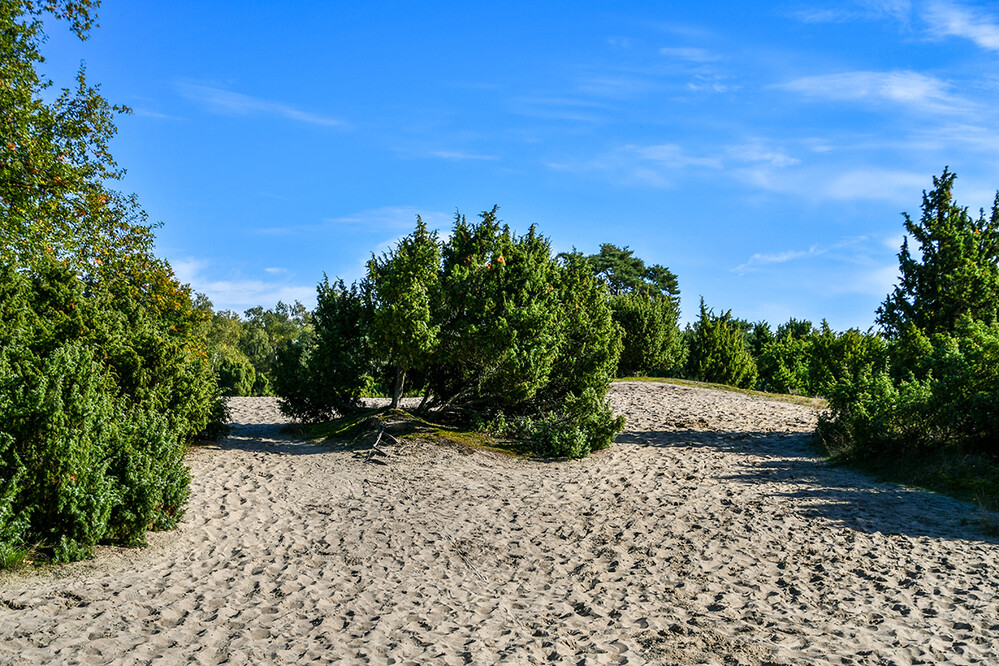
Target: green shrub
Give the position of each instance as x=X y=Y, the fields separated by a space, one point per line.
x=501 y=325
x=718 y=352
x=324 y=372
x=84 y=460
x=236 y=375
x=802 y=360
x=104 y=374
x=651 y=335
x=940 y=388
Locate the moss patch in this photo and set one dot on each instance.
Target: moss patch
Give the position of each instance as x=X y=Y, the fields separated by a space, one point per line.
x=350 y=430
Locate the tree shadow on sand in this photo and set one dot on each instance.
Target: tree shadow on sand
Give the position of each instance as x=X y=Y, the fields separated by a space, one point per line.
x=277 y=438
x=823 y=490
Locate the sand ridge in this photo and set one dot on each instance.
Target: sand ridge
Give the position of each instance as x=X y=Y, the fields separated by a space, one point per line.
x=709 y=533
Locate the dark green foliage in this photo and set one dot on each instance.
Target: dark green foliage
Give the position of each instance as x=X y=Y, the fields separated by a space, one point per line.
x=803 y=360
x=718 y=352
x=652 y=339
x=624 y=273
x=940 y=389
x=645 y=304
x=402 y=287
x=323 y=373
x=93 y=440
x=957 y=273
x=104 y=375
x=488 y=323
x=236 y=375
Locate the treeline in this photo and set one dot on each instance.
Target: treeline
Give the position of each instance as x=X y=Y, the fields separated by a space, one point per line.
x=243 y=350
x=104 y=371
x=926 y=381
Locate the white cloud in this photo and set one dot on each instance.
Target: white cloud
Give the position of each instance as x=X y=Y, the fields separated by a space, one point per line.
x=908 y=88
x=872 y=281
x=672 y=156
x=401 y=218
x=764 y=259
x=615 y=86
x=948 y=19
x=386 y=218
x=873 y=184
x=827 y=183
x=460 y=156
x=233 y=103
x=761 y=259
x=759 y=152
x=863 y=10
x=240 y=294
x=691 y=54
x=898 y=9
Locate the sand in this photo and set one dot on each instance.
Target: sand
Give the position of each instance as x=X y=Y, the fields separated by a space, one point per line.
x=709 y=533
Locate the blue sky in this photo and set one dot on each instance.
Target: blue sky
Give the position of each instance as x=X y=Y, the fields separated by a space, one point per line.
x=763 y=151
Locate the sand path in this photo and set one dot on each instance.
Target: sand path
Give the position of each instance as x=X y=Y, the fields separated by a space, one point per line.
x=707 y=534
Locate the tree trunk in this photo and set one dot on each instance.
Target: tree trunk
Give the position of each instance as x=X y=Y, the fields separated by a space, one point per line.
x=400 y=381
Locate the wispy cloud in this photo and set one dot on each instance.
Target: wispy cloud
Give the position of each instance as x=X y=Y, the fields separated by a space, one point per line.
x=376 y=220
x=460 y=156
x=240 y=294
x=907 y=88
x=672 y=156
x=852 y=250
x=860 y=10
x=833 y=183
x=759 y=152
x=763 y=259
x=391 y=218
x=691 y=54
x=662 y=165
x=949 y=19
x=233 y=103
x=146 y=113
x=616 y=86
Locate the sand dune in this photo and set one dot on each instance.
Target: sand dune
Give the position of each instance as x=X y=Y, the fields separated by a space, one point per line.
x=707 y=534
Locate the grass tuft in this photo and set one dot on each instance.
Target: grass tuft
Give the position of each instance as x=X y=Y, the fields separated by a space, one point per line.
x=13 y=557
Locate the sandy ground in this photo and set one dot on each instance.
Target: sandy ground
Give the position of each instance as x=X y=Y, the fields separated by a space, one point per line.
x=707 y=534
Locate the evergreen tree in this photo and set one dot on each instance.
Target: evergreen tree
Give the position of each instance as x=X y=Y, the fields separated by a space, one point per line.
x=957 y=272
x=646 y=304
x=401 y=288
x=718 y=351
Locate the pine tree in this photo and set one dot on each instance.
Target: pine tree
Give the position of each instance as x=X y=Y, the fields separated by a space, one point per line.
x=957 y=272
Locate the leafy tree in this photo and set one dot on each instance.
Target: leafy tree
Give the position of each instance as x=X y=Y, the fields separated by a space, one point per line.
x=624 y=273
x=718 y=351
x=957 y=272
x=323 y=372
x=498 y=315
x=652 y=339
x=265 y=331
